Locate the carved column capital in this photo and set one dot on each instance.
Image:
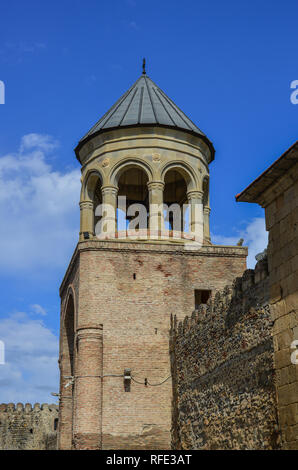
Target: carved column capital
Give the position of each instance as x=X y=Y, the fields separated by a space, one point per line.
x=109 y=189
x=194 y=194
x=86 y=205
x=159 y=185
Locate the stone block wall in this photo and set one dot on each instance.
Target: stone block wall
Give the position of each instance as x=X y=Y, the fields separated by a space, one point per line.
x=282 y=223
x=26 y=428
x=222 y=360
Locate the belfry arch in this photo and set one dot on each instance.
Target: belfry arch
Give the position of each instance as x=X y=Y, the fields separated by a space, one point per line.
x=133 y=196
x=91 y=198
x=206 y=209
x=175 y=197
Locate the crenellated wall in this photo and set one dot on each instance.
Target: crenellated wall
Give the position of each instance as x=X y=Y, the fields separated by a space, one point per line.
x=222 y=360
x=25 y=428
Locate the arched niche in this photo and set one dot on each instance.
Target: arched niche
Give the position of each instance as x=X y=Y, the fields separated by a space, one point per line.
x=68 y=337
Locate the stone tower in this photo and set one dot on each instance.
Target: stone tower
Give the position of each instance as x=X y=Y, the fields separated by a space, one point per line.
x=121 y=287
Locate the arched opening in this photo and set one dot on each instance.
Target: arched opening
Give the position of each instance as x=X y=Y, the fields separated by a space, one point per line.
x=206 y=209
x=68 y=346
x=133 y=199
x=206 y=192
x=93 y=194
x=175 y=196
x=67 y=371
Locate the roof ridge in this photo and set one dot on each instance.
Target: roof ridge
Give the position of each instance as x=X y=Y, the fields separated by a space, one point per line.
x=140 y=104
x=125 y=112
x=151 y=101
x=156 y=94
x=174 y=106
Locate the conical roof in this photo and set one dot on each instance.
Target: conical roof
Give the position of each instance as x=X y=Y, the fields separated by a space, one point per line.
x=144 y=104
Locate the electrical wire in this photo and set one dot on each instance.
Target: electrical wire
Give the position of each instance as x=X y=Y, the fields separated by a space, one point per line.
x=154 y=385
x=148 y=383
x=101 y=376
x=145 y=382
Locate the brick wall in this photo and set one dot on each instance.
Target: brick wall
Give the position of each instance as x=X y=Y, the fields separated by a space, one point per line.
x=134 y=313
x=224 y=394
x=26 y=428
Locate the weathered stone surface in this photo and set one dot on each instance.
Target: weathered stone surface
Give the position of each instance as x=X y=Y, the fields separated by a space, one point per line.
x=223 y=372
x=24 y=428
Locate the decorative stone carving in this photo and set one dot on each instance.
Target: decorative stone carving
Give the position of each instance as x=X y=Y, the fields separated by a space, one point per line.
x=105 y=162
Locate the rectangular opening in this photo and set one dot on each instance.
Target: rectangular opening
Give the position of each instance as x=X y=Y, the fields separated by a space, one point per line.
x=201 y=297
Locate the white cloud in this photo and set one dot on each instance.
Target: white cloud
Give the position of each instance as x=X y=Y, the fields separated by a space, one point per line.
x=43 y=142
x=38 y=309
x=38 y=207
x=30 y=372
x=255 y=237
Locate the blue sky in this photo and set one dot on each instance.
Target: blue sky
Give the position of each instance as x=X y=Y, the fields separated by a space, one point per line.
x=228 y=65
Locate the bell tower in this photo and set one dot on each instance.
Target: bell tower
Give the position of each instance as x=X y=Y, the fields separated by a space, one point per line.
x=144 y=253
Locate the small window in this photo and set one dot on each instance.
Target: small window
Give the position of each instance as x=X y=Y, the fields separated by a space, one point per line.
x=55 y=424
x=201 y=297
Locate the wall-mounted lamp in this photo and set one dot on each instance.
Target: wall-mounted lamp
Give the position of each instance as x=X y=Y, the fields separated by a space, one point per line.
x=127 y=380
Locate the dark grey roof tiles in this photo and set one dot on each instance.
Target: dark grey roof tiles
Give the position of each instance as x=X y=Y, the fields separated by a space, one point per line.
x=144 y=103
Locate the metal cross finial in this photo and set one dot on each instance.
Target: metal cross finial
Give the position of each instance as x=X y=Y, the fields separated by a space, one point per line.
x=144 y=66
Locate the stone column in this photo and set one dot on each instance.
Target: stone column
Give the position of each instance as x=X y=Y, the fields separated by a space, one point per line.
x=87 y=219
x=156 y=217
x=87 y=433
x=196 y=218
x=108 y=211
x=207 y=211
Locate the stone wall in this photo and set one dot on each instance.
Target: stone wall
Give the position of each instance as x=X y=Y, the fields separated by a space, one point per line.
x=282 y=224
x=276 y=190
x=24 y=428
x=222 y=359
